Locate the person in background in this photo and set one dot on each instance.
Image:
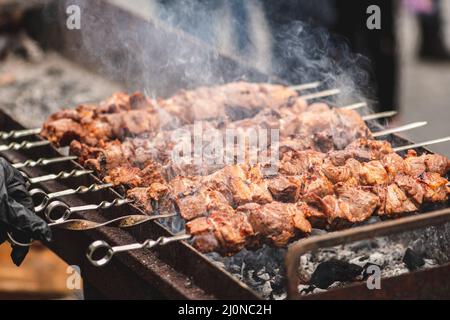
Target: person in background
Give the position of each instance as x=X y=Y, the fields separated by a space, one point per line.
x=380 y=46
x=433 y=46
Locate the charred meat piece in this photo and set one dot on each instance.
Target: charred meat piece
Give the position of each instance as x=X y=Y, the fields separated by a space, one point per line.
x=348 y=206
x=426 y=163
x=141 y=198
x=394 y=201
x=277 y=223
x=225 y=231
x=129 y=177
x=435 y=185
x=329 y=128
x=411 y=186
x=133 y=177
x=284 y=189
x=110 y=156
x=362 y=150
x=62 y=132
x=233 y=101
x=296 y=163
x=394 y=164
x=373 y=173
x=229 y=231
x=83 y=123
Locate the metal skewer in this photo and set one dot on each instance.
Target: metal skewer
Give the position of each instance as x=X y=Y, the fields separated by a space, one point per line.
x=15 y=134
x=121 y=222
x=58 y=176
x=24 y=145
x=58 y=211
x=111 y=251
x=422 y=144
x=306 y=86
x=404 y=128
x=379 y=115
x=41 y=198
x=42 y=162
x=355 y=106
x=321 y=94
x=84 y=225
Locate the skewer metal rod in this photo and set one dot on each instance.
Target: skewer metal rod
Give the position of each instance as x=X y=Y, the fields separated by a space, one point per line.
x=45 y=198
x=422 y=144
x=84 y=225
x=404 y=128
x=121 y=222
x=15 y=134
x=59 y=176
x=355 y=106
x=306 y=86
x=58 y=211
x=111 y=251
x=379 y=115
x=321 y=94
x=42 y=162
x=24 y=145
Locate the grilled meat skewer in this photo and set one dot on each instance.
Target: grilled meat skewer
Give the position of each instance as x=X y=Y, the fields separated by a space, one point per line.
x=345 y=126
x=124 y=115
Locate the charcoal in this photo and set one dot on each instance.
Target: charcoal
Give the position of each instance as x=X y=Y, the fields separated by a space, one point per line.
x=331 y=271
x=278 y=284
x=413 y=260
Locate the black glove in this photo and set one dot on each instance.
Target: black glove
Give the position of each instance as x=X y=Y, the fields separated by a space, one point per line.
x=17 y=212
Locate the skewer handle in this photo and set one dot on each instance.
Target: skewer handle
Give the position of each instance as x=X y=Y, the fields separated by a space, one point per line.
x=41 y=198
x=58 y=211
x=111 y=251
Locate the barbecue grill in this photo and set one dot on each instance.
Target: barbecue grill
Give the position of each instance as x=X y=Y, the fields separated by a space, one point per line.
x=180 y=271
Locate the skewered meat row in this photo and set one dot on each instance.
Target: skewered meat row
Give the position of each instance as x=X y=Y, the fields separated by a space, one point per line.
x=347 y=127
x=276 y=223
x=336 y=195
x=124 y=115
x=116 y=117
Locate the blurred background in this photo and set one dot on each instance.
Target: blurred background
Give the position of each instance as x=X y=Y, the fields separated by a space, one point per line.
x=403 y=66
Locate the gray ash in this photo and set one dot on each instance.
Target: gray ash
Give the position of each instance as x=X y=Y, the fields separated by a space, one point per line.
x=262 y=270
x=432 y=245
